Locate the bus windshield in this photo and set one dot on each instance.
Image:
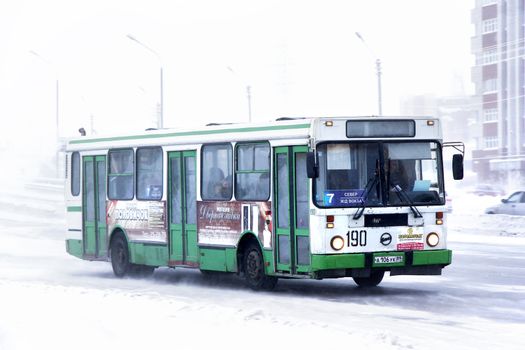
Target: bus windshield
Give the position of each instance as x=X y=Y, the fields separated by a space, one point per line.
x=356 y=174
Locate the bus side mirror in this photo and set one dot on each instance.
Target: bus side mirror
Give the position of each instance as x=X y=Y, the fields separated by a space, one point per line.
x=457 y=166
x=312 y=170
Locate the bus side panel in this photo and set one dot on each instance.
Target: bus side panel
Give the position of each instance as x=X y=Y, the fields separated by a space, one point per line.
x=74 y=247
x=213 y=259
x=218 y=259
x=269 y=265
x=74 y=229
x=148 y=254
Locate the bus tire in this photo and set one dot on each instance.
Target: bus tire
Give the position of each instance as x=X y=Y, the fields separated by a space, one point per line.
x=254 y=273
x=375 y=278
x=120 y=256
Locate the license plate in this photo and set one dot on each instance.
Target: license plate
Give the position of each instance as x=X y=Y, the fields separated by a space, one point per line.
x=388 y=259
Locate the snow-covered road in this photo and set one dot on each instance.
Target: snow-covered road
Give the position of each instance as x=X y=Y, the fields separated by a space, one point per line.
x=51 y=300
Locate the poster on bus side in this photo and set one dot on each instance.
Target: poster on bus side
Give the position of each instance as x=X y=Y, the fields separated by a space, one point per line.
x=222 y=223
x=143 y=221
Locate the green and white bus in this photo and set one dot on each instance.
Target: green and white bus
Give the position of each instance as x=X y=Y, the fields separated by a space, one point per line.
x=293 y=198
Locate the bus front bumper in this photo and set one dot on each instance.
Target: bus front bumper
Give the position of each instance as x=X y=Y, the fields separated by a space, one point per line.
x=418 y=262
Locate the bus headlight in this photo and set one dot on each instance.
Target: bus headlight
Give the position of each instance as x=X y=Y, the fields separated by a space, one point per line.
x=432 y=239
x=337 y=242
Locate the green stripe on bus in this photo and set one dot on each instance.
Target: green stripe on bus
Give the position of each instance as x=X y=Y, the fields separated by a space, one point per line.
x=74 y=209
x=337 y=261
x=192 y=133
x=432 y=257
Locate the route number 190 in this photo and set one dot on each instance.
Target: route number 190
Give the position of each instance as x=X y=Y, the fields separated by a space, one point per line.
x=356 y=238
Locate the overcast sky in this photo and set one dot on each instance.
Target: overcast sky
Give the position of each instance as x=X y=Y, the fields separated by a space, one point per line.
x=301 y=58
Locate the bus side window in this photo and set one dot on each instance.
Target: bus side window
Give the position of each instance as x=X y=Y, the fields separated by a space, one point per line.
x=121 y=173
x=216 y=165
x=75 y=174
x=149 y=173
x=252 y=172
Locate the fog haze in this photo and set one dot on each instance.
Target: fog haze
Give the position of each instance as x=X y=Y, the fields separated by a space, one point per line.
x=301 y=58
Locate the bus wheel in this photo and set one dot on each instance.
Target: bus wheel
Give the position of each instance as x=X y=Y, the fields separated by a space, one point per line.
x=254 y=273
x=120 y=256
x=375 y=278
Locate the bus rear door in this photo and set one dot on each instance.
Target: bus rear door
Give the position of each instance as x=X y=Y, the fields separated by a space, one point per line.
x=94 y=207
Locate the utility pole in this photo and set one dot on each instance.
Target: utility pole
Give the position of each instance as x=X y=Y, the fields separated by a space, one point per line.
x=248 y=94
x=379 y=97
x=378 y=70
x=160 y=121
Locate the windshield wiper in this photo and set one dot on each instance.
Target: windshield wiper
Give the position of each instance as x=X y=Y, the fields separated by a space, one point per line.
x=368 y=187
x=400 y=193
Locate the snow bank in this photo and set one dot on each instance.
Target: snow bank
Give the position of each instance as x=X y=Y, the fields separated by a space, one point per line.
x=51 y=300
x=469 y=218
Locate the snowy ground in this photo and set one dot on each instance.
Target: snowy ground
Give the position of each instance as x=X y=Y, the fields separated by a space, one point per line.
x=50 y=300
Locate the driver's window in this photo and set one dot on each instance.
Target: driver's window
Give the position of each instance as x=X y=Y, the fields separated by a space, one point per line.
x=515 y=198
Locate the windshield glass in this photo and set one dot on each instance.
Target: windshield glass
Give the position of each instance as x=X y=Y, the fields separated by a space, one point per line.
x=354 y=174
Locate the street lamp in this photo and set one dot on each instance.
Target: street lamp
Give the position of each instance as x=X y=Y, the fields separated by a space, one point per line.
x=57 y=129
x=160 y=121
x=378 y=70
x=248 y=95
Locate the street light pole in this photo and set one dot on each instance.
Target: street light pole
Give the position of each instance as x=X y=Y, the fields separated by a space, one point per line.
x=160 y=121
x=378 y=70
x=379 y=97
x=248 y=95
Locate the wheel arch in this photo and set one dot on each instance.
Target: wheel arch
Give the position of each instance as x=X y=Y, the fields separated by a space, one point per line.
x=117 y=230
x=247 y=238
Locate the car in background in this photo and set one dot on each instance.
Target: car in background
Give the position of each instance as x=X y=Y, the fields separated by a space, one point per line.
x=513 y=205
x=487 y=190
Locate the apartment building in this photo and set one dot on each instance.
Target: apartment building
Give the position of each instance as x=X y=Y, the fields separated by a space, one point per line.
x=499 y=79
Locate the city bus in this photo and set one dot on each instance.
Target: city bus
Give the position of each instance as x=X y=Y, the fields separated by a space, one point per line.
x=291 y=198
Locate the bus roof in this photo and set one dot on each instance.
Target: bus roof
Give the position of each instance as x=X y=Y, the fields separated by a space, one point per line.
x=297 y=128
x=283 y=128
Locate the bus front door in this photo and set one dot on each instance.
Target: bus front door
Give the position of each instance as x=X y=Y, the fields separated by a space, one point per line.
x=182 y=208
x=94 y=234
x=292 y=243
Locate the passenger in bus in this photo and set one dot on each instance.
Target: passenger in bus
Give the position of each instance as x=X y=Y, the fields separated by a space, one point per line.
x=225 y=188
x=214 y=179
